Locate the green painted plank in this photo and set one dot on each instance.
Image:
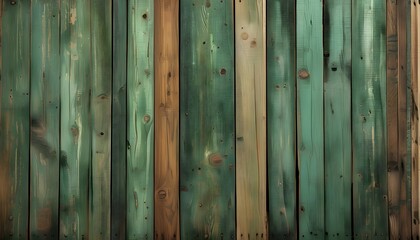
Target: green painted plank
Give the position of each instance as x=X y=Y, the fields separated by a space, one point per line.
x=75 y=138
x=101 y=98
x=337 y=118
x=250 y=95
x=45 y=119
x=140 y=122
x=370 y=201
x=310 y=118
x=14 y=119
x=281 y=121
x=207 y=155
x=119 y=121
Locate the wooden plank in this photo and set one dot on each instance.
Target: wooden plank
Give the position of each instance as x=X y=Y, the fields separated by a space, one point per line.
x=417 y=92
x=281 y=119
x=14 y=119
x=370 y=200
x=140 y=122
x=166 y=61
x=75 y=138
x=337 y=118
x=207 y=154
x=101 y=72
x=119 y=121
x=250 y=35
x=45 y=119
x=310 y=118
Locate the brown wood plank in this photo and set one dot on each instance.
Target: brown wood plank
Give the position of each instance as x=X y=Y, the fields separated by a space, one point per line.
x=166 y=119
x=414 y=122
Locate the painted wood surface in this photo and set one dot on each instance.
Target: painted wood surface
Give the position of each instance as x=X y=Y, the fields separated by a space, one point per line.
x=337 y=118
x=119 y=121
x=45 y=119
x=370 y=200
x=310 y=118
x=166 y=52
x=140 y=120
x=14 y=119
x=75 y=126
x=251 y=192
x=281 y=119
x=207 y=150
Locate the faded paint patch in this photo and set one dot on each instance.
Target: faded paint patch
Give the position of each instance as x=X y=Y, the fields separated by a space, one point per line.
x=73 y=16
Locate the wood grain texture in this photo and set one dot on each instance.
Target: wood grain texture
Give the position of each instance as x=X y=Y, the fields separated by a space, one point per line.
x=310 y=118
x=250 y=34
x=75 y=126
x=45 y=119
x=14 y=119
x=370 y=200
x=140 y=120
x=119 y=121
x=207 y=155
x=166 y=52
x=337 y=118
x=101 y=72
x=281 y=119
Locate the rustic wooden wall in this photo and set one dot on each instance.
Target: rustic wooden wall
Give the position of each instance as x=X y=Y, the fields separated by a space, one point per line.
x=209 y=119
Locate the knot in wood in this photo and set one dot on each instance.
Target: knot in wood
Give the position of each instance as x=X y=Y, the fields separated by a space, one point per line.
x=303 y=74
x=162 y=194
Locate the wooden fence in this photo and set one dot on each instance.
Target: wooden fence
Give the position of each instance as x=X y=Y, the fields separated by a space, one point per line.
x=209 y=119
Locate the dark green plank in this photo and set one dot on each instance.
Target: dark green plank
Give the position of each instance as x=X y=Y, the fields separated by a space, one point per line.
x=119 y=121
x=310 y=118
x=14 y=119
x=45 y=119
x=207 y=156
x=140 y=120
x=370 y=201
x=75 y=155
x=281 y=122
x=337 y=118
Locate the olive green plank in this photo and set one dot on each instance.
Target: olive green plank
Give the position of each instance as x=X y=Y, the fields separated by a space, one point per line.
x=370 y=200
x=281 y=118
x=140 y=122
x=101 y=98
x=45 y=119
x=310 y=109
x=207 y=151
x=75 y=134
x=337 y=118
x=14 y=119
x=251 y=185
x=119 y=121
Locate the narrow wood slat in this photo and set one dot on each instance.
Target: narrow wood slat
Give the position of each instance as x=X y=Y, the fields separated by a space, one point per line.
x=207 y=151
x=166 y=61
x=370 y=201
x=140 y=120
x=337 y=118
x=250 y=35
x=119 y=121
x=75 y=126
x=45 y=119
x=14 y=119
x=417 y=98
x=281 y=119
x=310 y=118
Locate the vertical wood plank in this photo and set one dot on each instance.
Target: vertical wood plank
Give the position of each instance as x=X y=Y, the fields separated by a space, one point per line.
x=207 y=152
x=417 y=93
x=250 y=35
x=119 y=121
x=14 y=119
x=101 y=72
x=45 y=119
x=337 y=118
x=281 y=118
x=370 y=201
x=310 y=118
x=140 y=120
x=75 y=155
x=167 y=119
